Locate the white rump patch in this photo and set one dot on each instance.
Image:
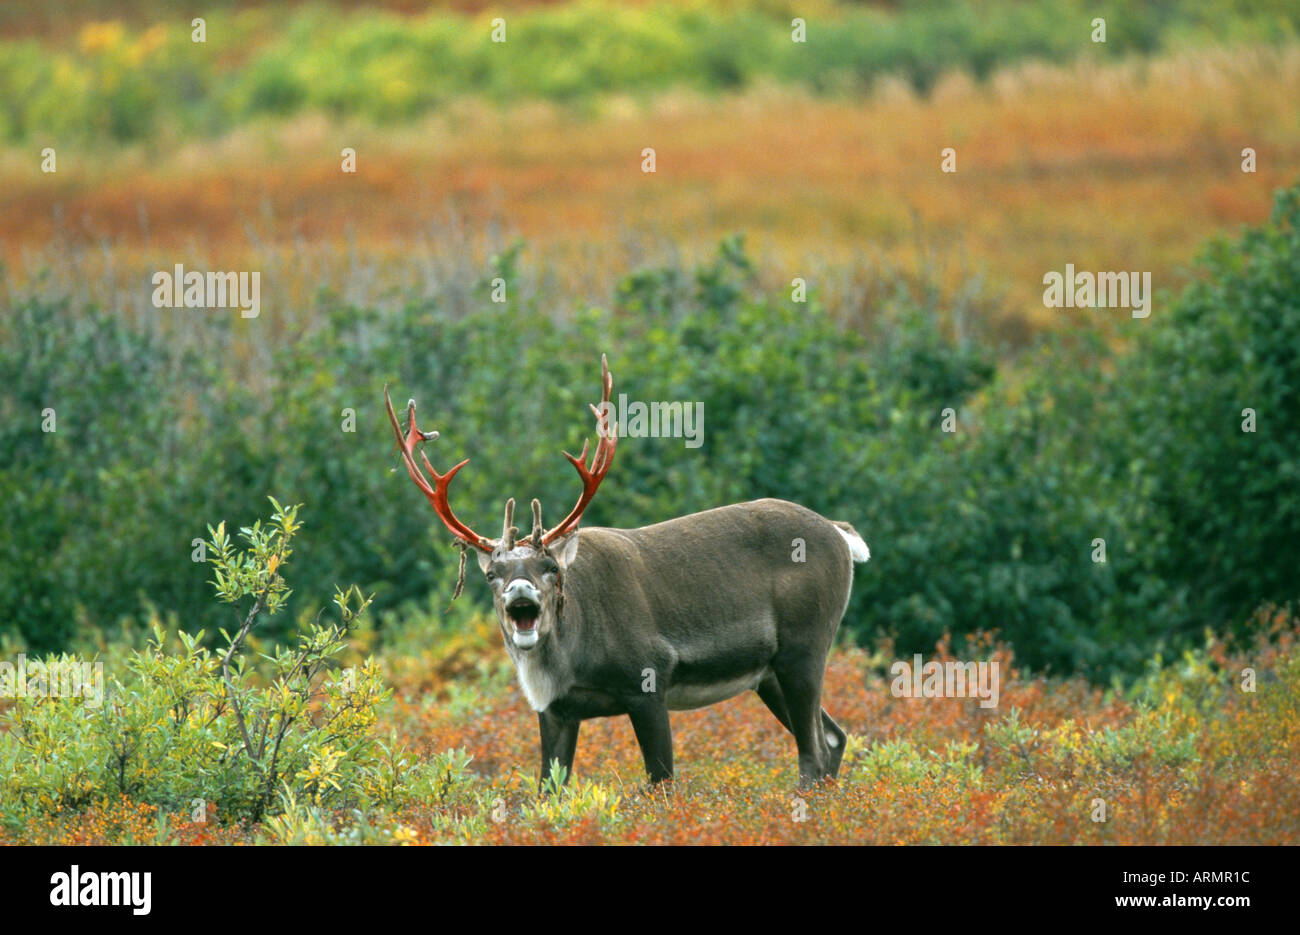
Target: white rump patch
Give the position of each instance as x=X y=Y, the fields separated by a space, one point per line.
x=857 y=548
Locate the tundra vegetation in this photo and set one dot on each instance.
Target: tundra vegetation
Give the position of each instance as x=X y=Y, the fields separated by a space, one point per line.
x=1178 y=736
x=300 y=679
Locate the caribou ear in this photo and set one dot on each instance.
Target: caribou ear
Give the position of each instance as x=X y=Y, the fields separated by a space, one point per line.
x=484 y=559
x=566 y=549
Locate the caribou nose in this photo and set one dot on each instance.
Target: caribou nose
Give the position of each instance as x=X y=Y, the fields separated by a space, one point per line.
x=520 y=589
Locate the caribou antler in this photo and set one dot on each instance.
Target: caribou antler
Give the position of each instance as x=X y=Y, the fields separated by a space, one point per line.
x=508 y=530
x=600 y=461
x=436 y=494
x=535 y=539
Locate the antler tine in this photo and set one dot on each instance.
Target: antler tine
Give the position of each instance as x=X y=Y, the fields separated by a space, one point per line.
x=437 y=493
x=538 y=529
x=600 y=461
x=508 y=531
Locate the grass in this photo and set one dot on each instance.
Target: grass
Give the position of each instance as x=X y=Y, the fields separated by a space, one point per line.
x=1183 y=757
x=1124 y=166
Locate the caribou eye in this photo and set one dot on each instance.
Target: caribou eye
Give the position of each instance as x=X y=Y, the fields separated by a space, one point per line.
x=550 y=568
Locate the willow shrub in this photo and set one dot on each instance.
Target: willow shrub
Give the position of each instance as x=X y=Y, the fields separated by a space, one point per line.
x=217 y=735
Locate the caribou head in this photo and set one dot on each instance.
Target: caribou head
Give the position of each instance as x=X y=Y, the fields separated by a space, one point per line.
x=526 y=575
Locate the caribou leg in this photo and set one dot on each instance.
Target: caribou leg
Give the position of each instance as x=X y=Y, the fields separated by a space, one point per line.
x=649 y=715
x=559 y=743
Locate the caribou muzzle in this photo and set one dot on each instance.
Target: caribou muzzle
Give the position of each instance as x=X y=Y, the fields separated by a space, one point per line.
x=523 y=606
x=523 y=613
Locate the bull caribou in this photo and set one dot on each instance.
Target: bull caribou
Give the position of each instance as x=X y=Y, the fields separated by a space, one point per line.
x=681 y=614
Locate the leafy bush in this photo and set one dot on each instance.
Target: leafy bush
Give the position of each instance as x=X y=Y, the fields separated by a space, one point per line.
x=110 y=448
x=1154 y=736
x=185 y=728
x=994 y=525
x=901 y=761
x=1215 y=503
x=789 y=394
x=1144 y=450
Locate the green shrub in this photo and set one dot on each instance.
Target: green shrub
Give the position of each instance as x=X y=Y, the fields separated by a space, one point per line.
x=188 y=729
x=68 y=496
x=903 y=762
x=992 y=526
x=1215 y=507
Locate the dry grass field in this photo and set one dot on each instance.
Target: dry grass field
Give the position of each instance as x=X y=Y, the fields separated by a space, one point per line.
x=1108 y=167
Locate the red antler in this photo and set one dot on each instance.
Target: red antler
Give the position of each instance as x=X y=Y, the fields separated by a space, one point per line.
x=600 y=462
x=437 y=494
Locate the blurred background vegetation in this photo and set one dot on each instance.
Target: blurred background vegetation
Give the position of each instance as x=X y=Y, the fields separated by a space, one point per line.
x=123 y=81
x=925 y=295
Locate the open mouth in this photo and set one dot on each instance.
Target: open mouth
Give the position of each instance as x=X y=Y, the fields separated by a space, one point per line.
x=523 y=613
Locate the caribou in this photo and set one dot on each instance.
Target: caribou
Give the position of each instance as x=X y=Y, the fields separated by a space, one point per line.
x=603 y=622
